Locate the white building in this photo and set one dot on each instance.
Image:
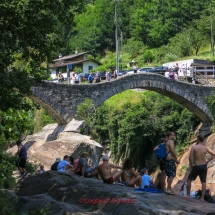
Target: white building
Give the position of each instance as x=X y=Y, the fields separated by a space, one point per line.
x=201 y=67
x=71 y=62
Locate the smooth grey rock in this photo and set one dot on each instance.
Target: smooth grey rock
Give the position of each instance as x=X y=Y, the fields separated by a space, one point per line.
x=70 y=194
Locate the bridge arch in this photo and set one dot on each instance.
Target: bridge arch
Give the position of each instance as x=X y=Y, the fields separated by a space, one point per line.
x=61 y=100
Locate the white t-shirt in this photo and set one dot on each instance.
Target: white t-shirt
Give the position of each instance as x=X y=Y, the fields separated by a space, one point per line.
x=166 y=74
x=135 y=68
x=76 y=77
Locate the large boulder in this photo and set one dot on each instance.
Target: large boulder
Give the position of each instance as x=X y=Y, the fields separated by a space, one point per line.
x=56 y=141
x=67 y=194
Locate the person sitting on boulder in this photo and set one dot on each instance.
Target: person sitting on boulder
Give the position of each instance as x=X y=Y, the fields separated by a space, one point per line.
x=129 y=176
x=105 y=172
x=64 y=165
x=58 y=160
x=146 y=179
x=85 y=170
x=71 y=161
x=41 y=170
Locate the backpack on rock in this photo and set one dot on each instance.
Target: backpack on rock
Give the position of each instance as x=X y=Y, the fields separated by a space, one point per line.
x=207 y=196
x=54 y=166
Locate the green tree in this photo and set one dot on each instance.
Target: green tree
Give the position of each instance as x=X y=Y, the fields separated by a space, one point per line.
x=181 y=44
x=85 y=112
x=14 y=125
x=27 y=31
x=134 y=47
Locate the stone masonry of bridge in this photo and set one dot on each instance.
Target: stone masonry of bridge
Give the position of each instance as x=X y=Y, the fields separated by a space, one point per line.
x=61 y=100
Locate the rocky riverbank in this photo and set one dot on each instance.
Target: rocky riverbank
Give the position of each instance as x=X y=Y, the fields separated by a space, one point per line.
x=68 y=194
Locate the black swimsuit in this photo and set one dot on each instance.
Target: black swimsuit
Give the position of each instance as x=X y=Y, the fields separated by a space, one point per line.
x=199 y=170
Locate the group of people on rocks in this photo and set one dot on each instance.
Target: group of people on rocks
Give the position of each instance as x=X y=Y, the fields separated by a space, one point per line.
x=126 y=175
x=197 y=160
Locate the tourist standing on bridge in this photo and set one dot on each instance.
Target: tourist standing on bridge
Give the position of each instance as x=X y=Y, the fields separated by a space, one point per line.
x=60 y=77
x=98 y=77
x=108 y=75
x=175 y=76
x=176 y=68
x=90 y=79
x=167 y=74
x=77 y=78
x=135 y=68
x=115 y=73
x=191 y=68
x=198 y=164
x=72 y=79
x=171 y=161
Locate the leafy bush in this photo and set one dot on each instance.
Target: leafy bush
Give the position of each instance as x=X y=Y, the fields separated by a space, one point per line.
x=85 y=112
x=41 y=119
x=134 y=47
x=7 y=166
x=211 y=104
x=7 y=204
x=15 y=124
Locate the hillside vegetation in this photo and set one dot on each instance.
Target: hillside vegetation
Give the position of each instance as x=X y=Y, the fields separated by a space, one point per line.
x=156 y=30
x=132 y=123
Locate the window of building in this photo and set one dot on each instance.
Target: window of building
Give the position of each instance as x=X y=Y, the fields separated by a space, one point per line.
x=90 y=68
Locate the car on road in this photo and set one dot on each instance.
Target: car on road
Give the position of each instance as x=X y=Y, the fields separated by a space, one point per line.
x=121 y=73
x=130 y=72
x=103 y=75
x=149 y=69
x=160 y=69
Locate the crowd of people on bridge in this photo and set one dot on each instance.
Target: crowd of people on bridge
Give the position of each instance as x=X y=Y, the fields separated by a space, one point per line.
x=76 y=78
x=172 y=73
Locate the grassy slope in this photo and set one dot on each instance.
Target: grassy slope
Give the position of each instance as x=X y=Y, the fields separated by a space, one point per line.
x=118 y=101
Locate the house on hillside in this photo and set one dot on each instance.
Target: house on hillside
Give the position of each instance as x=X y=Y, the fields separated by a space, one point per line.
x=82 y=61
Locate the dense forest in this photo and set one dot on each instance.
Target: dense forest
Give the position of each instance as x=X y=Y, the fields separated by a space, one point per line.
x=179 y=27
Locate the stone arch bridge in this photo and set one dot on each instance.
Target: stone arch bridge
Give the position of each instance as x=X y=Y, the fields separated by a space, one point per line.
x=61 y=100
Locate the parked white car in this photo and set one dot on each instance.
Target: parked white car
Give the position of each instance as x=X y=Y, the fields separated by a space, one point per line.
x=130 y=72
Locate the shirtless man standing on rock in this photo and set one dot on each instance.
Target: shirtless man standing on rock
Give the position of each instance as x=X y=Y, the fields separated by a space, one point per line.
x=104 y=170
x=198 y=163
x=170 y=161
